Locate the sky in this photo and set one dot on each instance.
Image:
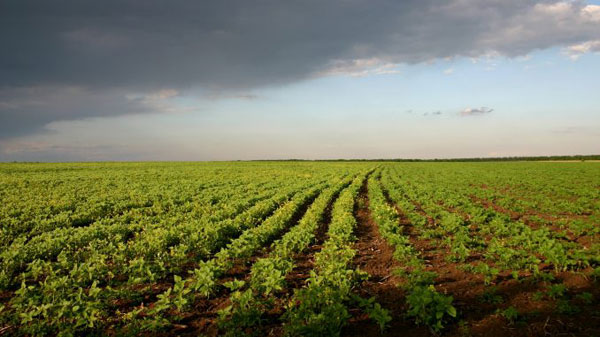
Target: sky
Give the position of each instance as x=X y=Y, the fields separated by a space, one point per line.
x=313 y=79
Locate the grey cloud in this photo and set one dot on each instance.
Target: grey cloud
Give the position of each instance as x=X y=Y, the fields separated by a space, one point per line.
x=27 y=110
x=116 y=47
x=243 y=44
x=476 y=111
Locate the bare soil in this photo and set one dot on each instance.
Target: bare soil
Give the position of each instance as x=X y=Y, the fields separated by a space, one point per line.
x=537 y=317
x=375 y=256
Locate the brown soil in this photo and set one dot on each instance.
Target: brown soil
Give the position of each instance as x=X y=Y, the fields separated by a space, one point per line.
x=464 y=287
x=537 y=317
x=375 y=256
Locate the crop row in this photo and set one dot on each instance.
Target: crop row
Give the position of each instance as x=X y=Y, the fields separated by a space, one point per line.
x=267 y=276
x=511 y=245
x=61 y=294
x=138 y=248
x=321 y=307
x=204 y=279
x=425 y=303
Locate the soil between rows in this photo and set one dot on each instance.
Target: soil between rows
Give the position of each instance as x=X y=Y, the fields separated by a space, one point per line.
x=375 y=256
x=538 y=317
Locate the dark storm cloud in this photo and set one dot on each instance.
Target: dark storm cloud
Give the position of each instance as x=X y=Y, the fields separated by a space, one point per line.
x=27 y=110
x=108 y=49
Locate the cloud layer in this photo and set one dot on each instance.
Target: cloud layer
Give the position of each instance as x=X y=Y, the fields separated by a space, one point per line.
x=74 y=59
x=26 y=110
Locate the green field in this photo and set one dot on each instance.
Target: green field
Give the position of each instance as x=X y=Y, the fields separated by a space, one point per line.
x=300 y=248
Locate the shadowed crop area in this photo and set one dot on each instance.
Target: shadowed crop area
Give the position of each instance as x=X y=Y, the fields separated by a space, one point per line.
x=300 y=249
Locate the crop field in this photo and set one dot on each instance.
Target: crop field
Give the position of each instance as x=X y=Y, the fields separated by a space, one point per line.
x=300 y=249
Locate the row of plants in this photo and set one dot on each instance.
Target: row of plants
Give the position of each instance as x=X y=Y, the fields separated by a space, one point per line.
x=203 y=280
x=53 y=285
x=134 y=247
x=486 y=241
x=130 y=250
x=87 y=278
x=77 y=242
x=320 y=308
x=511 y=245
x=267 y=277
x=134 y=238
x=67 y=202
x=425 y=304
x=547 y=190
